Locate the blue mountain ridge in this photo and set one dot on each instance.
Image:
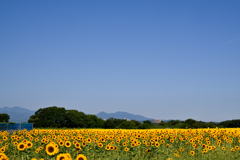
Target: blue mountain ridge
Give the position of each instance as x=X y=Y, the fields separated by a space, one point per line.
x=123 y=115
x=18 y=115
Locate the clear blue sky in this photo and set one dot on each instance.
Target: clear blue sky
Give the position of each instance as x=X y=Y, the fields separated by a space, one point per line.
x=160 y=59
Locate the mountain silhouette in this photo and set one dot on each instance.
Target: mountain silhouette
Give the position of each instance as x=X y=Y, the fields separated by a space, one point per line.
x=17 y=114
x=123 y=115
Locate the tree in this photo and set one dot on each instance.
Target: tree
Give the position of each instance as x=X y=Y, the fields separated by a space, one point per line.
x=75 y=119
x=93 y=121
x=112 y=123
x=190 y=122
x=127 y=125
x=4 y=117
x=136 y=124
x=230 y=123
x=49 y=117
x=145 y=125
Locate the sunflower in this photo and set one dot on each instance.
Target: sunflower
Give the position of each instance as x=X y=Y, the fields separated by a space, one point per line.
x=181 y=149
x=103 y=139
x=83 y=143
x=132 y=144
x=81 y=157
x=62 y=157
x=224 y=148
x=37 y=150
x=162 y=141
x=5 y=138
x=194 y=146
x=36 y=139
x=100 y=145
x=29 y=144
x=68 y=144
x=74 y=142
x=108 y=147
x=21 y=146
x=89 y=140
x=112 y=147
x=77 y=145
x=232 y=149
x=237 y=147
x=126 y=149
x=205 y=150
x=51 y=149
x=61 y=143
x=54 y=136
x=176 y=155
x=192 y=153
x=148 y=150
x=3 y=156
x=2 y=149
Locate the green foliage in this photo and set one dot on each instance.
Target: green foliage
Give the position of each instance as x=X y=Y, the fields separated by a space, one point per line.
x=112 y=123
x=93 y=121
x=4 y=117
x=59 y=117
x=230 y=123
x=49 y=117
x=75 y=119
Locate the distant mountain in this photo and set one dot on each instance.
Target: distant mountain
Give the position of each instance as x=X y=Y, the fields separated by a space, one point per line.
x=122 y=115
x=17 y=114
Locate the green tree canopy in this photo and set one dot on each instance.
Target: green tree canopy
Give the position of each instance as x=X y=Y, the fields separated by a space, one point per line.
x=4 y=117
x=75 y=119
x=49 y=117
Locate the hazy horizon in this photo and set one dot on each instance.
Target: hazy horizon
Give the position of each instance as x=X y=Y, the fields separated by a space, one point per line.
x=115 y=112
x=160 y=59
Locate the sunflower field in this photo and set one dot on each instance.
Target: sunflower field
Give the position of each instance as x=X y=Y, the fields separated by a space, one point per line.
x=120 y=144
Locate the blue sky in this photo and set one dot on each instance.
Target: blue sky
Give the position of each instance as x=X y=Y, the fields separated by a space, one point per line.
x=160 y=59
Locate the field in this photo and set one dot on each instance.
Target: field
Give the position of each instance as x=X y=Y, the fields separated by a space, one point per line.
x=119 y=144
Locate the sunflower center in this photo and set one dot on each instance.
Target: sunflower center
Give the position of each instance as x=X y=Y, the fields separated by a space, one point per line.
x=61 y=158
x=50 y=149
x=21 y=146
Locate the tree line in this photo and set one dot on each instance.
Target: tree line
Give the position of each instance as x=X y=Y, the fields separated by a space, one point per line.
x=4 y=117
x=59 y=117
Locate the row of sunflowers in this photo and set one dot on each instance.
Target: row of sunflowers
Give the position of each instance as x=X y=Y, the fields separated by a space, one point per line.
x=82 y=144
